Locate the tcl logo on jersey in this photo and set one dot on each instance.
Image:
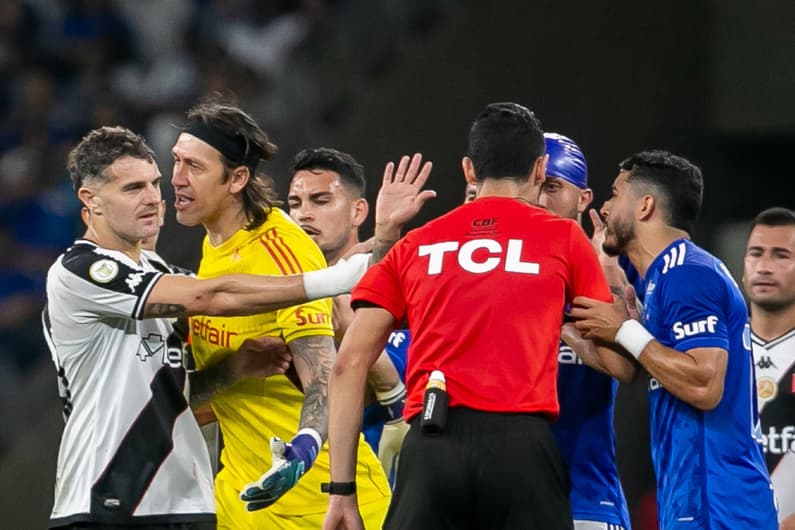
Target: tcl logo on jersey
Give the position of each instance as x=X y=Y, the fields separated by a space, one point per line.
x=303 y=317
x=778 y=443
x=494 y=255
x=682 y=330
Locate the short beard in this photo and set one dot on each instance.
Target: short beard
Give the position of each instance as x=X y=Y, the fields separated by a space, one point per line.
x=624 y=233
x=777 y=305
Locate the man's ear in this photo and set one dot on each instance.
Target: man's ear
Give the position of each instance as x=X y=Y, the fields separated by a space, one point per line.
x=646 y=207
x=586 y=198
x=539 y=171
x=360 y=211
x=469 y=170
x=239 y=179
x=89 y=199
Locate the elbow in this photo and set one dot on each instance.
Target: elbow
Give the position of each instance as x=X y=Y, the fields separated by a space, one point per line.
x=706 y=398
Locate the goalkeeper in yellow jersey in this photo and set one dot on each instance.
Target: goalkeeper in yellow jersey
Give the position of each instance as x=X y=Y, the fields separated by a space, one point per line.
x=277 y=425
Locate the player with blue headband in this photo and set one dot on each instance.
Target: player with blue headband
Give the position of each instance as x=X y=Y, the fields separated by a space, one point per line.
x=584 y=430
x=565 y=190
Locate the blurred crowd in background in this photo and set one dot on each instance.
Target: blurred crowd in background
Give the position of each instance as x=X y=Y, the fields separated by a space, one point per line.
x=68 y=66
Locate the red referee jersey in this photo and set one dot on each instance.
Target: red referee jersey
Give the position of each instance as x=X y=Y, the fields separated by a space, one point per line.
x=484 y=289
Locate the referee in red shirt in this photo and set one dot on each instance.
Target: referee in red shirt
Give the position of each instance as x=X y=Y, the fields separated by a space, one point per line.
x=483 y=289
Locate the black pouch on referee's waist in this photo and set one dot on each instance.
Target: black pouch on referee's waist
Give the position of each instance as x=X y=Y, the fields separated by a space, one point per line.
x=434 y=404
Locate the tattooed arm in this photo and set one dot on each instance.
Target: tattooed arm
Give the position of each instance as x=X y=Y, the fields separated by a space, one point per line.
x=313 y=357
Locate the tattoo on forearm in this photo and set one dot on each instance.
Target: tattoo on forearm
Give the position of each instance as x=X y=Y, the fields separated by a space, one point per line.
x=314 y=355
x=205 y=384
x=164 y=310
x=381 y=247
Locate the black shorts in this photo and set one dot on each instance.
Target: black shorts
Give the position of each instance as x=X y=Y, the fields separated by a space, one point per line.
x=484 y=471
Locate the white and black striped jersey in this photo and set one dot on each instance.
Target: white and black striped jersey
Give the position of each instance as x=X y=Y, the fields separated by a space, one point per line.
x=775 y=384
x=131 y=451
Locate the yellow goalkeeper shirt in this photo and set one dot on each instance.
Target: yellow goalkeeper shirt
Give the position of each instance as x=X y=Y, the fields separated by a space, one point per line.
x=253 y=410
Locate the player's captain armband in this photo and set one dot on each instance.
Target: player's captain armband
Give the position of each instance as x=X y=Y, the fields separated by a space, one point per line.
x=633 y=337
x=338 y=279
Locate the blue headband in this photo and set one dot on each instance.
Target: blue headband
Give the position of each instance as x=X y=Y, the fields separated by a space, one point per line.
x=566 y=160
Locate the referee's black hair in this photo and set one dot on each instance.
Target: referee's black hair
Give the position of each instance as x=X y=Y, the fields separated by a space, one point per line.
x=505 y=141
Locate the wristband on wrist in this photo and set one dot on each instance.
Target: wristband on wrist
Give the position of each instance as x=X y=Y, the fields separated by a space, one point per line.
x=393 y=401
x=338 y=488
x=338 y=279
x=305 y=446
x=633 y=337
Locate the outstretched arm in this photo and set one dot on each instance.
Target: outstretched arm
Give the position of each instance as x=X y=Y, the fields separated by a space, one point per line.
x=695 y=376
x=248 y=294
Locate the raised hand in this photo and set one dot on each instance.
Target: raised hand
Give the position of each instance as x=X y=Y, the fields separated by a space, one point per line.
x=401 y=195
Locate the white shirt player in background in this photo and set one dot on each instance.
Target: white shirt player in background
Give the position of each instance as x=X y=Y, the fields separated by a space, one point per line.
x=131 y=451
x=769 y=283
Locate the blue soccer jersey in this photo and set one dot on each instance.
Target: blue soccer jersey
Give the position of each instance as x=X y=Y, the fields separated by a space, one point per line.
x=709 y=465
x=584 y=431
x=375 y=415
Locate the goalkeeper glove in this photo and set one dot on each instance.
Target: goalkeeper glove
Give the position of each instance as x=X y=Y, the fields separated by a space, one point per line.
x=394 y=431
x=289 y=463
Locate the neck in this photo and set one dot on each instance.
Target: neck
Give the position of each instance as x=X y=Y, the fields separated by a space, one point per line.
x=645 y=247
x=107 y=239
x=223 y=225
x=511 y=188
x=334 y=256
x=771 y=324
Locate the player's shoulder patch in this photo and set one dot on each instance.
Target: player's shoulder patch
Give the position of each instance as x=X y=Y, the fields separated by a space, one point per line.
x=103 y=270
x=88 y=262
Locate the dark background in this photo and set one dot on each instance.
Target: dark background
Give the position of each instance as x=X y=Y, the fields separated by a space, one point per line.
x=710 y=80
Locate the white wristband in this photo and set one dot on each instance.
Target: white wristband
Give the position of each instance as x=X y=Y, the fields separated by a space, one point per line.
x=392 y=395
x=633 y=337
x=338 y=279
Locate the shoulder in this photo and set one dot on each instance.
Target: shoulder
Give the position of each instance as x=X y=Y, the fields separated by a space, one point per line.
x=101 y=268
x=688 y=271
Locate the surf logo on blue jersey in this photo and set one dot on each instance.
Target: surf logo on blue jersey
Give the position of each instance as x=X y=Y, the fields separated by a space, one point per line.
x=689 y=329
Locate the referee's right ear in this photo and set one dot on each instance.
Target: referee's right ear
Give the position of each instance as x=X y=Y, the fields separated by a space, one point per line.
x=469 y=170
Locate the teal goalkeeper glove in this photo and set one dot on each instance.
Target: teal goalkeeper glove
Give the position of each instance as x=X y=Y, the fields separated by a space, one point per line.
x=291 y=460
